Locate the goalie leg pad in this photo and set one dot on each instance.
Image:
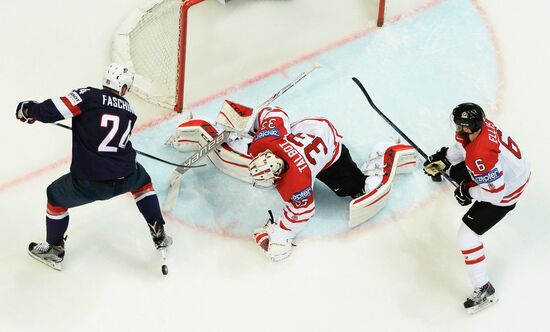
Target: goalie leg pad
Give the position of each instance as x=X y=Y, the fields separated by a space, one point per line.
x=231 y=162
x=366 y=206
x=375 y=165
x=408 y=160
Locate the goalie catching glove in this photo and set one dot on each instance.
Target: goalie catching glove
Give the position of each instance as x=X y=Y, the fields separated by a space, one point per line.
x=437 y=163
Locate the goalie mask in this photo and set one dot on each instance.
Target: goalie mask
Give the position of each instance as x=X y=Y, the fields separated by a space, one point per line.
x=117 y=76
x=265 y=169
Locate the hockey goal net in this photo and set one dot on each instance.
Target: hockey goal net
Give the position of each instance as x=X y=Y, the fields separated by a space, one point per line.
x=153 y=41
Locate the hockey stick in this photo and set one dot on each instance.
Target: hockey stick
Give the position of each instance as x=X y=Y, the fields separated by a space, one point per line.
x=139 y=152
x=416 y=147
x=175 y=180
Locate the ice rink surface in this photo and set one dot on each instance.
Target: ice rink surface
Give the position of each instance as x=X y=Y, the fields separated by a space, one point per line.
x=399 y=271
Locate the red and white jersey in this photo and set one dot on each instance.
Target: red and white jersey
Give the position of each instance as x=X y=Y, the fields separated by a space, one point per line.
x=496 y=164
x=307 y=146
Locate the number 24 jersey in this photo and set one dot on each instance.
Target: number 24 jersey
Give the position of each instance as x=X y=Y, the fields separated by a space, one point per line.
x=102 y=123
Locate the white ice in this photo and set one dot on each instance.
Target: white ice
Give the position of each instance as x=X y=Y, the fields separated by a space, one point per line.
x=402 y=271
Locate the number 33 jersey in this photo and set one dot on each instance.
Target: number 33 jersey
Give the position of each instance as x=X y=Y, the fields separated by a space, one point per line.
x=102 y=123
x=496 y=164
x=307 y=146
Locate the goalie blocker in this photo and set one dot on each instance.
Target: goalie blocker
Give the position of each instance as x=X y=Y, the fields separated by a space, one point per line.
x=232 y=157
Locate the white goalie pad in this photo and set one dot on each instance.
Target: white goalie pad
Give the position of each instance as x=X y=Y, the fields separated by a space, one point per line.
x=234 y=117
x=396 y=159
x=231 y=157
x=232 y=162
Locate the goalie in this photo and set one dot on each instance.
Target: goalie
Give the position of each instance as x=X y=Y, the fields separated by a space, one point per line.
x=290 y=157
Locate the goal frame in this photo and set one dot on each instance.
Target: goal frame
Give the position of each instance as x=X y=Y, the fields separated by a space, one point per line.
x=121 y=45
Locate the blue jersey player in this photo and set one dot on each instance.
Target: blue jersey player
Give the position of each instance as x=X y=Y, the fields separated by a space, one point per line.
x=103 y=160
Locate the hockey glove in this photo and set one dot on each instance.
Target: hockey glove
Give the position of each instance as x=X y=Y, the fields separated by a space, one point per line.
x=462 y=193
x=437 y=163
x=22 y=112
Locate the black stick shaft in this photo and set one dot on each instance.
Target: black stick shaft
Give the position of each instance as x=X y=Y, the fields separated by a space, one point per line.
x=139 y=152
x=416 y=147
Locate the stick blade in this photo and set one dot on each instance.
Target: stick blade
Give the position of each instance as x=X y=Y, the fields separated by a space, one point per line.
x=173 y=192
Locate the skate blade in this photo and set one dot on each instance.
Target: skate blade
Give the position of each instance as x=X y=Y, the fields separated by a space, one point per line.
x=54 y=265
x=487 y=303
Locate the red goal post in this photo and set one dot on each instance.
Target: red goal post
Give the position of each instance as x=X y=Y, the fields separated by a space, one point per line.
x=153 y=41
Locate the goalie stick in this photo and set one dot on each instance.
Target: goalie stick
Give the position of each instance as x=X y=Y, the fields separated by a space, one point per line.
x=424 y=155
x=138 y=152
x=175 y=180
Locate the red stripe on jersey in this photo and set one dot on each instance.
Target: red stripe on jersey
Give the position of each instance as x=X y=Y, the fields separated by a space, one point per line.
x=518 y=190
x=336 y=153
x=277 y=109
x=300 y=213
x=283 y=226
x=496 y=190
x=75 y=110
x=470 y=251
x=55 y=210
x=145 y=188
x=294 y=221
x=475 y=261
x=508 y=200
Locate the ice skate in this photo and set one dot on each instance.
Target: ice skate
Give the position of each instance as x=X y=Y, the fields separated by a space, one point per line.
x=274 y=250
x=481 y=298
x=160 y=239
x=48 y=254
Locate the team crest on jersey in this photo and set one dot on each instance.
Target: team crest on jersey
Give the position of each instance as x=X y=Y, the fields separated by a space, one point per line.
x=488 y=177
x=301 y=195
x=268 y=133
x=74 y=98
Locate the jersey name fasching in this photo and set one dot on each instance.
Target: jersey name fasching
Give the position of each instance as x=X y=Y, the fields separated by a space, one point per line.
x=118 y=103
x=301 y=195
x=488 y=177
x=268 y=133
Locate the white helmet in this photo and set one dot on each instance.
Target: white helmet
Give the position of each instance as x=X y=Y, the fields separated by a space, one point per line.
x=265 y=168
x=117 y=76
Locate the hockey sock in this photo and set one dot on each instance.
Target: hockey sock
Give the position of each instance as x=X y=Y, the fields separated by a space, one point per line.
x=474 y=255
x=148 y=204
x=57 y=221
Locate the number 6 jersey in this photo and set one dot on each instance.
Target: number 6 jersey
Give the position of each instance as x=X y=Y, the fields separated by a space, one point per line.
x=307 y=146
x=102 y=123
x=495 y=163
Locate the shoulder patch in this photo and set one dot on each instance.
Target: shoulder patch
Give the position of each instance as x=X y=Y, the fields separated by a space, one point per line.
x=74 y=98
x=301 y=195
x=274 y=132
x=488 y=177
